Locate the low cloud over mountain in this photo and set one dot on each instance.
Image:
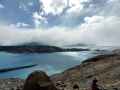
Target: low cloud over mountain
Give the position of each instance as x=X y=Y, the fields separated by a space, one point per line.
x=61 y=23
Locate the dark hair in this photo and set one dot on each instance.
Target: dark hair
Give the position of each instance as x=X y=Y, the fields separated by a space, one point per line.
x=75 y=86
x=95 y=80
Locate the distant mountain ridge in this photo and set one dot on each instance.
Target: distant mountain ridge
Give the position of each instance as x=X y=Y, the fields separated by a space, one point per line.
x=37 y=48
x=32 y=44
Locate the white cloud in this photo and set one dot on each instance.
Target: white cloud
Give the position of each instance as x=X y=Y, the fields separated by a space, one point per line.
x=57 y=6
x=38 y=19
x=76 y=6
x=102 y=31
x=30 y=4
x=18 y=25
x=111 y=8
x=68 y=12
x=2 y=6
x=101 y=27
x=53 y=6
x=94 y=19
x=37 y=16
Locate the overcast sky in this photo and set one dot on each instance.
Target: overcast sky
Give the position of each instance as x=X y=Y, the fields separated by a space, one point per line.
x=60 y=22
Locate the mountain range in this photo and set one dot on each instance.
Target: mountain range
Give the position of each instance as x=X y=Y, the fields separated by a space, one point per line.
x=37 y=48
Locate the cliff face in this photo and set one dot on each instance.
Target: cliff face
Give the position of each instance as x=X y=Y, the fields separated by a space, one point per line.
x=106 y=68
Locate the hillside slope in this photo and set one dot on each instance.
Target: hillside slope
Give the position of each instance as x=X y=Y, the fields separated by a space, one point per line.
x=106 y=68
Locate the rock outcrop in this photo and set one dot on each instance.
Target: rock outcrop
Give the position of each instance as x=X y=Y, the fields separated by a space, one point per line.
x=38 y=80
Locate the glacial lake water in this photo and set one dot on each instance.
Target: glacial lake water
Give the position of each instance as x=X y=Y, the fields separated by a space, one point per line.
x=51 y=63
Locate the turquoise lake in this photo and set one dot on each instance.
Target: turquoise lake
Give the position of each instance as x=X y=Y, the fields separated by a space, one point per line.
x=51 y=63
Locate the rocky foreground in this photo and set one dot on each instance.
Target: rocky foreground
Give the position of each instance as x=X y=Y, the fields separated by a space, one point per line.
x=106 y=68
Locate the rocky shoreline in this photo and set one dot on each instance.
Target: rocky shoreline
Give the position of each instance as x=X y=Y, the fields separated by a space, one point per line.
x=106 y=68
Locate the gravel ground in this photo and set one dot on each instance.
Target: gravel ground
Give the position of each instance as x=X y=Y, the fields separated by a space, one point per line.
x=11 y=84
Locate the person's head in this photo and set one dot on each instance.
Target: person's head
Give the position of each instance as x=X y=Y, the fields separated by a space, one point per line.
x=75 y=87
x=115 y=88
x=95 y=80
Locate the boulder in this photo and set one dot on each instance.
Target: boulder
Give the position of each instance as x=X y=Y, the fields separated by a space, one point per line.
x=38 y=80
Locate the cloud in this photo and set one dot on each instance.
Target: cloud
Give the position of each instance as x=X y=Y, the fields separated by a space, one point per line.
x=96 y=30
x=30 y=3
x=69 y=13
x=111 y=8
x=82 y=21
x=1 y=6
x=39 y=19
x=53 y=6
x=20 y=25
x=55 y=11
x=57 y=6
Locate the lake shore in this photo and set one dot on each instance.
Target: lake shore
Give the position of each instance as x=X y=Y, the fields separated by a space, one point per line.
x=98 y=66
